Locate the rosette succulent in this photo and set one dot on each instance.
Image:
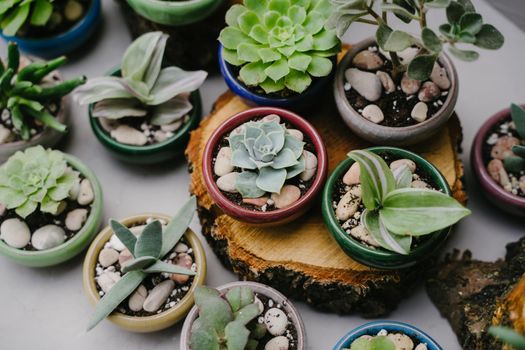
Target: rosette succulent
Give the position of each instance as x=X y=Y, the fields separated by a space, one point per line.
x=279 y=44
x=144 y=88
x=225 y=322
x=372 y=343
x=36 y=178
x=516 y=162
x=268 y=156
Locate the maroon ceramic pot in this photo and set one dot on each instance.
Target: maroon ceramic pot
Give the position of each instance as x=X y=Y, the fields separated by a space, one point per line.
x=493 y=191
x=278 y=216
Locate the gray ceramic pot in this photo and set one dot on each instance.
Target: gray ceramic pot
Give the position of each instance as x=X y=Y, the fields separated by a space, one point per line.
x=258 y=288
x=384 y=135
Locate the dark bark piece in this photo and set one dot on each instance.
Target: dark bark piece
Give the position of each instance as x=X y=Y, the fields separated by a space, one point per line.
x=473 y=295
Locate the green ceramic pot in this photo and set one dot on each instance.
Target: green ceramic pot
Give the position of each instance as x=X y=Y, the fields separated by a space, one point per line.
x=150 y=154
x=382 y=258
x=73 y=246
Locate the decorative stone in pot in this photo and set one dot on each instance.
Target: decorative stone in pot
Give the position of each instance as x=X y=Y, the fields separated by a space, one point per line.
x=389 y=208
x=286 y=61
x=497 y=159
x=265 y=166
x=186 y=22
x=54 y=28
x=51 y=207
x=256 y=317
x=387 y=335
x=143 y=113
x=33 y=102
x=141 y=273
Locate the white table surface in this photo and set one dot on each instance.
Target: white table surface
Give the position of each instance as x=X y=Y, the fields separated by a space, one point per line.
x=46 y=308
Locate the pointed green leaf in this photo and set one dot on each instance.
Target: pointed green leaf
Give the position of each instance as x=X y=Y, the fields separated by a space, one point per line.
x=140 y=263
x=508 y=336
x=124 y=234
x=253 y=73
x=268 y=55
x=204 y=336
x=14 y=21
x=161 y=266
x=246 y=185
x=271 y=180
x=42 y=10
x=518 y=117
x=299 y=61
x=247 y=313
x=403 y=176
x=278 y=69
x=269 y=86
x=236 y=335
x=373 y=223
x=297 y=81
x=240 y=297
x=149 y=242
x=178 y=225
x=248 y=52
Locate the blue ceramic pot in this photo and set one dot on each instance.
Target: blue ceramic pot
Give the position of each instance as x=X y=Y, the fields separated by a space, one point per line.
x=63 y=43
x=296 y=102
x=373 y=328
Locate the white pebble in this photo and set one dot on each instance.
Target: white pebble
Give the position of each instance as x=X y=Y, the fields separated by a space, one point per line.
x=15 y=233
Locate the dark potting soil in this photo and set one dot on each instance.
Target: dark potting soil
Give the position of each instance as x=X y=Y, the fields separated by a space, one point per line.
x=396 y=106
x=37 y=219
x=52 y=29
x=236 y=198
x=341 y=188
x=500 y=130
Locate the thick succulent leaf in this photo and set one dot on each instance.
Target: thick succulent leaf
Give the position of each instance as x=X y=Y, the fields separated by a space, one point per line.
x=471 y=23
x=240 y=297
x=178 y=226
x=398 y=10
x=124 y=235
x=117 y=108
x=247 y=20
x=173 y=81
x=277 y=70
x=231 y=37
x=382 y=34
x=437 y=3
x=253 y=73
x=325 y=40
x=518 y=117
x=417 y=212
x=42 y=10
x=241 y=158
x=247 y=52
x=137 y=264
x=464 y=55
x=271 y=180
x=155 y=65
x=430 y=40
x=214 y=311
x=236 y=335
x=171 y=111
x=374 y=224
x=138 y=56
x=454 y=12
x=299 y=61
x=30 y=206
x=116 y=295
x=280 y=6
x=403 y=176
x=268 y=54
x=515 y=164
x=489 y=38
x=295 y=170
x=398 y=41
x=247 y=313
x=233 y=14
x=269 y=86
x=149 y=242
x=11 y=198
x=320 y=66
x=16 y=18
x=259 y=34
x=231 y=57
x=297 y=81
x=376 y=177
x=297 y=14
x=420 y=68
x=101 y=88
x=246 y=184
x=161 y=266
x=204 y=336
x=285 y=159
x=409 y=6
x=305 y=44
x=508 y=336
x=258 y=6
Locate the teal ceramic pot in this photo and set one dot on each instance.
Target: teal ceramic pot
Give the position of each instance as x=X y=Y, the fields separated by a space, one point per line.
x=150 y=154
x=73 y=246
x=381 y=258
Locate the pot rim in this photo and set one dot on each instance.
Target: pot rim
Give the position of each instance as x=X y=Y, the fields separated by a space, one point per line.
x=278 y=214
x=392 y=325
x=259 y=288
x=92 y=220
x=337 y=231
x=478 y=163
x=155 y=322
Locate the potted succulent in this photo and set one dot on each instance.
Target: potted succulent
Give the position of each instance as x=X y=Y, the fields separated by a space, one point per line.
x=398 y=89
x=265 y=166
x=141 y=272
x=49 y=28
x=389 y=208
x=143 y=112
x=51 y=206
x=497 y=158
x=387 y=335
x=32 y=102
x=243 y=316
x=509 y=337
x=278 y=53
x=186 y=22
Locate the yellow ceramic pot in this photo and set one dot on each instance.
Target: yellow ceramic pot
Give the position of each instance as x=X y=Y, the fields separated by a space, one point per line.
x=148 y=323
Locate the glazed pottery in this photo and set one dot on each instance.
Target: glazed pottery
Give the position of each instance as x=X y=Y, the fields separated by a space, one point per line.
x=155 y=153
x=392 y=136
x=73 y=246
x=63 y=43
x=309 y=97
x=382 y=258
x=277 y=216
x=493 y=191
x=161 y=320
x=373 y=328
x=258 y=288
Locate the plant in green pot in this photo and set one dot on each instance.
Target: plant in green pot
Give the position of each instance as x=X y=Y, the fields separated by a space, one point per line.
x=193 y=27
x=143 y=112
x=32 y=102
x=389 y=208
x=51 y=206
x=400 y=88
x=278 y=52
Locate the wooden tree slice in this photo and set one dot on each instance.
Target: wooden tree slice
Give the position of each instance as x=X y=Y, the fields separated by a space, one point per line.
x=301 y=259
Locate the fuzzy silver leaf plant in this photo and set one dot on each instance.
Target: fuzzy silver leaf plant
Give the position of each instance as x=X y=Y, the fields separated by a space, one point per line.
x=279 y=44
x=268 y=156
x=145 y=88
x=508 y=336
x=394 y=212
x=464 y=26
x=374 y=343
x=148 y=251
x=36 y=179
x=224 y=320
x=516 y=162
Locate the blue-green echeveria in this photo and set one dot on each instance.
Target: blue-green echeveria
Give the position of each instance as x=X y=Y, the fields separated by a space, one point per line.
x=268 y=156
x=279 y=44
x=36 y=178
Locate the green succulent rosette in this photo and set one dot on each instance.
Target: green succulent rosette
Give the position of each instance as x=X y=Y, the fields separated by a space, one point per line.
x=279 y=44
